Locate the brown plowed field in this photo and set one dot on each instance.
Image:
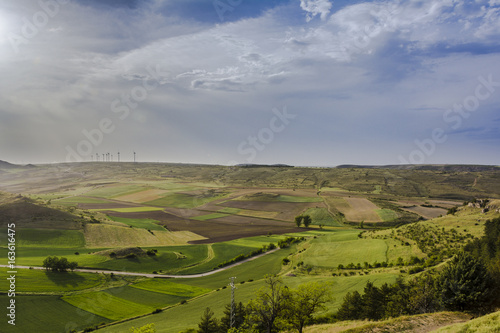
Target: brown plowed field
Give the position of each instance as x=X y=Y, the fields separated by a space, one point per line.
x=216 y=230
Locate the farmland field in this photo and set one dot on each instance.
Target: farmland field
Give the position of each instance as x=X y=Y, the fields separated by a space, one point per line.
x=48 y=314
x=344 y=248
x=105 y=305
x=42 y=281
x=193 y=218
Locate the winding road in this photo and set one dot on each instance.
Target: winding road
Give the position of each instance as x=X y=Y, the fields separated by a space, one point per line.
x=192 y=276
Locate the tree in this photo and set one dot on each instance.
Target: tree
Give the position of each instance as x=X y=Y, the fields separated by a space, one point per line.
x=265 y=313
x=373 y=301
x=239 y=317
x=307 y=221
x=149 y=328
x=208 y=323
x=56 y=264
x=298 y=220
x=465 y=284
x=307 y=299
x=352 y=306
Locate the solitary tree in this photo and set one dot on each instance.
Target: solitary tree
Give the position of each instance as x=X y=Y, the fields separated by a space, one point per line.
x=306 y=300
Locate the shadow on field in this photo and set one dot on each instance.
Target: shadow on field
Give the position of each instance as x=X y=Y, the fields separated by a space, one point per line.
x=65 y=278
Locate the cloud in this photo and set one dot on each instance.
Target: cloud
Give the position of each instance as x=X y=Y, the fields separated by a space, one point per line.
x=365 y=81
x=316 y=7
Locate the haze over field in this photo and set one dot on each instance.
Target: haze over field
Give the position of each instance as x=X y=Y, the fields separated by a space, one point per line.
x=301 y=82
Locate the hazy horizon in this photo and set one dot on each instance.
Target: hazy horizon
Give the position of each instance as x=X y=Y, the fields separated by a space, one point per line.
x=298 y=82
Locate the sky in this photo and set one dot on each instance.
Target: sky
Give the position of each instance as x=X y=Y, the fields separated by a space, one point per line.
x=299 y=82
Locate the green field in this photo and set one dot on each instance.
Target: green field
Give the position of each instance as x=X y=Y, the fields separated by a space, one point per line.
x=149 y=224
x=166 y=260
x=321 y=216
x=166 y=286
x=105 y=305
x=73 y=201
x=344 y=248
x=38 y=281
x=31 y=256
x=222 y=252
x=145 y=297
x=47 y=314
x=182 y=200
x=129 y=209
x=229 y=210
x=209 y=216
x=279 y=198
x=53 y=238
x=387 y=215
x=110 y=191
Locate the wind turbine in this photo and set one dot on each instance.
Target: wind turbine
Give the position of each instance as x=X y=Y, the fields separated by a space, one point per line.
x=134 y=156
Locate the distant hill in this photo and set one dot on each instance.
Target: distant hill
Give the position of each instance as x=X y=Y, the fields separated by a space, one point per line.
x=430 y=167
x=6 y=166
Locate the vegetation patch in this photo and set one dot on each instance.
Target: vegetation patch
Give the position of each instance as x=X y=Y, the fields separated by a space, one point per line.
x=387 y=215
x=49 y=314
x=261 y=196
x=130 y=209
x=53 y=238
x=321 y=216
x=106 y=305
x=148 y=224
x=209 y=216
x=38 y=281
x=145 y=297
x=170 y=288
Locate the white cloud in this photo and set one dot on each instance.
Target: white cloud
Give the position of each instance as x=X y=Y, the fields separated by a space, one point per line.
x=316 y=7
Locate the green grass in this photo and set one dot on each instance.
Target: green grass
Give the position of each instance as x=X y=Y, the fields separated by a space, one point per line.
x=73 y=201
x=321 y=216
x=209 y=216
x=139 y=223
x=129 y=209
x=279 y=198
x=222 y=252
x=145 y=297
x=188 y=315
x=106 y=305
x=110 y=191
x=168 y=287
x=53 y=238
x=28 y=280
x=387 y=215
x=166 y=260
x=47 y=314
x=229 y=210
x=182 y=200
x=330 y=250
x=31 y=256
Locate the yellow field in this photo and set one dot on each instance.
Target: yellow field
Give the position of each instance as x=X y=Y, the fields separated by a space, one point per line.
x=101 y=235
